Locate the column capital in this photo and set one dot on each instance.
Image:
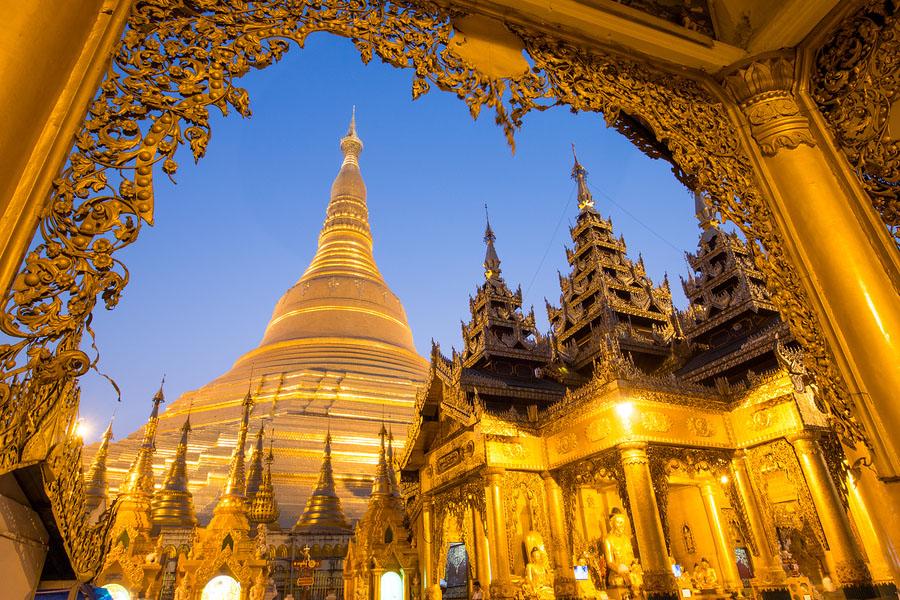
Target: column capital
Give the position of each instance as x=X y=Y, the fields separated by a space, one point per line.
x=763 y=89
x=804 y=435
x=492 y=472
x=633 y=453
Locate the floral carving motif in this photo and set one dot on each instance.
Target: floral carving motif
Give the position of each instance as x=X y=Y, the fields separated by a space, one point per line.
x=855 y=84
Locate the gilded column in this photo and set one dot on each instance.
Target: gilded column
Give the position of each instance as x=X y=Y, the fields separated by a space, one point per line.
x=844 y=557
x=842 y=252
x=564 y=583
x=768 y=574
x=427 y=561
x=500 y=586
x=482 y=554
x=731 y=579
x=659 y=582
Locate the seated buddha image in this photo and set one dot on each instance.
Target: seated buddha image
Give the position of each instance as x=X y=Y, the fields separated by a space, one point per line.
x=619 y=551
x=538 y=578
x=704 y=576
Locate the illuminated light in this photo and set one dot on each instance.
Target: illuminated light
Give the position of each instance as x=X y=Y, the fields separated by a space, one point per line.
x=334 y=308
x=625 y=410
x=82 y=429
x=222 y=587
x=391 y=586
x=723 y=479
x=117 y=591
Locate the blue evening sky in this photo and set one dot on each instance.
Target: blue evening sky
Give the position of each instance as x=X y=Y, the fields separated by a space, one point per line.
x=237 y=231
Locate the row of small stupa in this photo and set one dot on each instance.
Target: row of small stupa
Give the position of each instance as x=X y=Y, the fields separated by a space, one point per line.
x=248 y=492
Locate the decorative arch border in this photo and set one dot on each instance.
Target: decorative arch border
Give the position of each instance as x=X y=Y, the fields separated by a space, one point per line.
x=180 y=58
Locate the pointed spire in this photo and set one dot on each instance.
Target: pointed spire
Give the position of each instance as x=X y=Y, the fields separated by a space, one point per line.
x=579 y=174
x=173 y=504
x=382 y=483
x=264 y=508
x=391 y=465
x=351 y=145
x=255 y=473
x=95 y=486
x=491 y=260
x=139 y=480
x=323 y=510
x=230 y=511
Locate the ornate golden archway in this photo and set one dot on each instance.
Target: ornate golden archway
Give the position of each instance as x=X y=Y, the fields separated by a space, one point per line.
x=180 y=58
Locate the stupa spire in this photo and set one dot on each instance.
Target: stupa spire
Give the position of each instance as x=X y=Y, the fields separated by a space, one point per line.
x=139 y=480
x=230 y=511
x=323 y=510
x=95 y=486
x=491 y=259
x=579 y=174
x=264 y=508
x=255 y=472
x=382 y=483
x=345 y=242
x=392 y=474
x=173 y=504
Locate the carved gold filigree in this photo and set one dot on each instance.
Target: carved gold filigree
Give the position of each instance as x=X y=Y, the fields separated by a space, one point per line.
x=178 y=59
x=855 y=84
x=517 y=485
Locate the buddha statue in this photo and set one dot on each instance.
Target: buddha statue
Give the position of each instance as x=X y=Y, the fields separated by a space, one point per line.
x=538 y=579
x=705 y=577
x=619 y=551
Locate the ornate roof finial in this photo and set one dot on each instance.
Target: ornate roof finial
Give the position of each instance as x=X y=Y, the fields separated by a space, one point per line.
x=95 y=486
x=351 y=145
x=173 y=504
x=705 y=216
x=392 y=474
x=579 y=174
x=491 y=260
x=323 y=512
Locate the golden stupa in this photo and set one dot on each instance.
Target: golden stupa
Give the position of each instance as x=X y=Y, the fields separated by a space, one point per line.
x=338 y=352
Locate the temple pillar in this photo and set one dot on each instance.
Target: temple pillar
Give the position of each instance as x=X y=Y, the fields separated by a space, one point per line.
x=427 y=561
x=659 y=581
x=869 y=497
x=876 y=551
x=731 y=579
x=500 y=585
x=482 y=555
x=769 y=578
x=845 y=561
x=564 y=583
x=840 y=248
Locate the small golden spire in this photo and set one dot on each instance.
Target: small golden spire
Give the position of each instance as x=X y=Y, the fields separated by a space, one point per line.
x=323 y=510
x=382 y=484
x=491 y=259
x=579 y=174
x=230 y=511
x=264 y=508
x=95 y=486
x=139 y=480
x=173 y=504
x=392 y=473
x=255 y=473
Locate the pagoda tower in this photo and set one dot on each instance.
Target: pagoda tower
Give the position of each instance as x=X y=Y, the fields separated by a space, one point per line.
x=337 y=350
x=172 y=504
x=607 y=299
x=323 y=512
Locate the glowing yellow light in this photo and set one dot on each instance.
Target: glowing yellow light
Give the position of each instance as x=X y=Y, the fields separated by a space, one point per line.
x=723 y=479
x=82 y=429
x=222 y=587
x=117 y=592
x=625 y=410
